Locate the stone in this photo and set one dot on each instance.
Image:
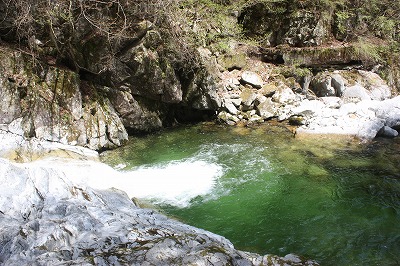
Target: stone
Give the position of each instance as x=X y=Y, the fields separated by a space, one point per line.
x=227 y=118
x=332 y=102
x=338 y=83
x=230 y=107
x=202 y=93
x=377 y=88
x=58 y=219
x=50 y=105
x=297 y=29
x=236 y=101
x=232 y=60
x=248 y=96
x=267 y=109
x=252 y=78
x=389 y=111
x=322 y=86
x=356 y=93
x=268 y=89
x=387 y=132
x=284 y=95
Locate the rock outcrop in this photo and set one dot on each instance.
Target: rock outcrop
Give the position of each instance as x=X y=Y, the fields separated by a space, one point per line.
x=85 y=76
x=50 y=105
x=49 y=217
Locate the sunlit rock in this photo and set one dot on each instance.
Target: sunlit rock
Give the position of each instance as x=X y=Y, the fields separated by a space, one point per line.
x=49 y=215
x=252 y=78
x=285 y=95
x=356 y=93
x=248 y=97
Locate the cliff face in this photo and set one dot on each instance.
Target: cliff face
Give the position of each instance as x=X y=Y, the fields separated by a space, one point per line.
x=86 y=72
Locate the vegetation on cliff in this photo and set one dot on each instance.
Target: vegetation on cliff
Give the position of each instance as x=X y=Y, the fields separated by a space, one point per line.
x=81 y=33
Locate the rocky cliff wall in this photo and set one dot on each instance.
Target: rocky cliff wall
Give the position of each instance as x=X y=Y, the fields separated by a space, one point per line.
x=86 y=73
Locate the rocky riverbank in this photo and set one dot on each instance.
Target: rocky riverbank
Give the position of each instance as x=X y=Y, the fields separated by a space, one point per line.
x=349 y=102
x=49 y=215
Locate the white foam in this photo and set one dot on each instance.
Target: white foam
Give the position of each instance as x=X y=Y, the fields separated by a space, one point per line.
x=175 y=183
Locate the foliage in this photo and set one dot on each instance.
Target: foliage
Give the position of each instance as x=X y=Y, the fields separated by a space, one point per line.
x=72 y=29
x=184 y=25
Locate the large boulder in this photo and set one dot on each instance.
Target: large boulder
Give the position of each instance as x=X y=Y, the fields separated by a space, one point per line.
x=146 y=74
x=248 y=97
x=284 y=95
x=267 y=109
x=356 y=93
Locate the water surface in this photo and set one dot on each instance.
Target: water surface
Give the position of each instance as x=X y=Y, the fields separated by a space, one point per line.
x=332 y=199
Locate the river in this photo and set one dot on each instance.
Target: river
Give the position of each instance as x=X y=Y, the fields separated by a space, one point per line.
x=329 y=198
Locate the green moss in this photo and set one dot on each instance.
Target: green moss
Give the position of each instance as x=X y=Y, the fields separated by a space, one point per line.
x=233 y=60
x=292 y=71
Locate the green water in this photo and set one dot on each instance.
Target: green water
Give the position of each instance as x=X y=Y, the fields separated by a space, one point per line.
x=331 y=199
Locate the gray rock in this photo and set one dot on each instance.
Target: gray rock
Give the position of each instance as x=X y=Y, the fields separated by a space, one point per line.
x=332 y=102
x=202 y=93
x=228 y=118
x=267 y=109
x=284 y=95
x=51 y=216
x=377 y=88
x=135 y=115
x=248 y=96
x=230 y=107
x=268 y=89
x=294 y=28
x=387 y=132
x=389 y=111
x=236 y=102
x=356 y=93
x=338 y=83
x=233 y=60
x=252 y=79
x=321 y=84
x=50 y=105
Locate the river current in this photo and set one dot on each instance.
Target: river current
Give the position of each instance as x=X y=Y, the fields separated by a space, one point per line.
x=329 y=198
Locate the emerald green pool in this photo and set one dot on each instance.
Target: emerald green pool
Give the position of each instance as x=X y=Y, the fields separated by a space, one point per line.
x=332 y=199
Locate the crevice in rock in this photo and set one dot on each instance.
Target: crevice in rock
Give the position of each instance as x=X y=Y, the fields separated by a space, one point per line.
x=187 y=115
